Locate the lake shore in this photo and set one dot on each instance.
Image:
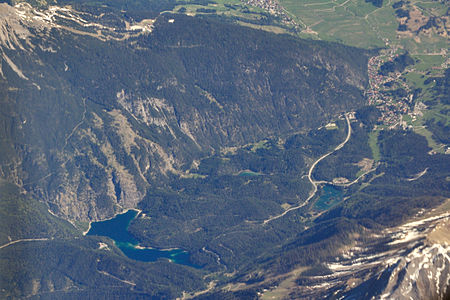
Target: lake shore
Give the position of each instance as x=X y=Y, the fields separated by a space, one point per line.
x=124 y=210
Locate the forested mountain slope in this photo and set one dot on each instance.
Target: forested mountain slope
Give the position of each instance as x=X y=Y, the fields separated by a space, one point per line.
x=95 y=119
x=254 y=152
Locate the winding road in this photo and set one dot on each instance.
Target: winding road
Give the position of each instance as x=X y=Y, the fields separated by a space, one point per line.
x=311 y=169
x=22 y=240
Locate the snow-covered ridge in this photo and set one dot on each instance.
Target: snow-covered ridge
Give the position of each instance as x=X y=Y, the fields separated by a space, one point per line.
x=413 y=265
x=411 y=261
x=19 y=23
x=16 y=22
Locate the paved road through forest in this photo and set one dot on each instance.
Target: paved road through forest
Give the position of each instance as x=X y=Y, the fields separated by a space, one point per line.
x=311 y=169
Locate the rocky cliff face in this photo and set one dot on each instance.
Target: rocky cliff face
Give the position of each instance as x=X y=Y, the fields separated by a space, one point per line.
x=98 y=113
x=414 y=264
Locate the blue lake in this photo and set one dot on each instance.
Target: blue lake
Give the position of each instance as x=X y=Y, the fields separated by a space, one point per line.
x=117 y=229
x=330 y=196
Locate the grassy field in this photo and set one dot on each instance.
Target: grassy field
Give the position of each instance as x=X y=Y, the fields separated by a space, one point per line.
x=353 y=22
x=270 y=28
x=260 y=145
x=433 y=112
x=373 y=143
x=431 y=142
x=427 y=62
x=361 y=24
x=247 y=15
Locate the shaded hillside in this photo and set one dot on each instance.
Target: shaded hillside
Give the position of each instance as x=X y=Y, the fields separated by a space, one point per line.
x=95 y=120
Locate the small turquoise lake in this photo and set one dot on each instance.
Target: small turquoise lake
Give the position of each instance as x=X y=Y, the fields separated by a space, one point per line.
x=117 y=229
x=330 y=196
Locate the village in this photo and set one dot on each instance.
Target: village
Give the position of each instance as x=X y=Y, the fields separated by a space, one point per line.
x=274 y=8
x=391 y=106
x=398 y=110
x=389 y=92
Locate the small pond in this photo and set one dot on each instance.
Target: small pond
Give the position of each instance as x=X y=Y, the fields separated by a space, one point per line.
x=330 y=196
